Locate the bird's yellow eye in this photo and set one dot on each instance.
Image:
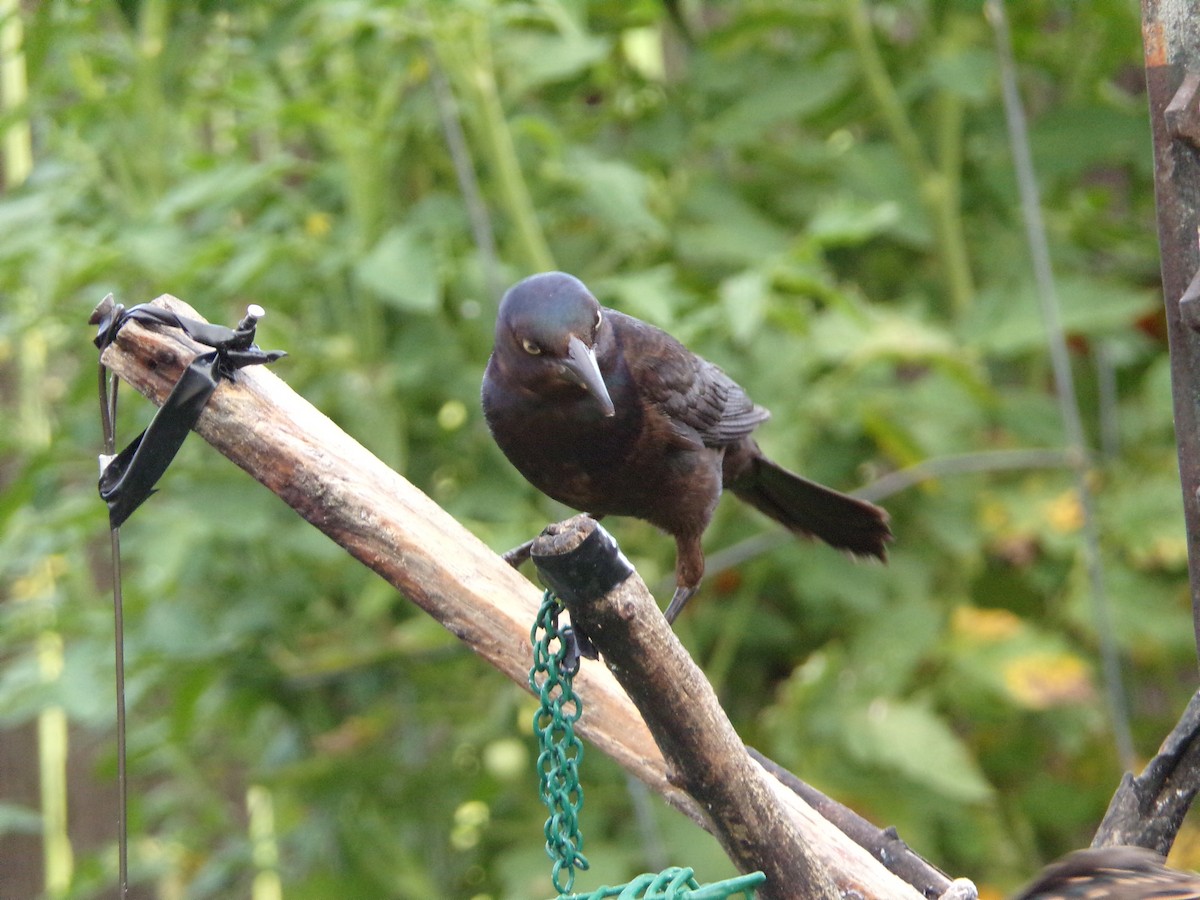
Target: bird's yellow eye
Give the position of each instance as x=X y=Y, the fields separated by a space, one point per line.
x=531 y=348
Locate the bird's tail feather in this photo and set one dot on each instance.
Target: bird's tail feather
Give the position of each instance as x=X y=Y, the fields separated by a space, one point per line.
x=809 y=508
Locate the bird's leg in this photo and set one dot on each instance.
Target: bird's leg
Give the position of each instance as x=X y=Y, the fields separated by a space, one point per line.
x=518 y=555
x=681 y=596
x=689 y=569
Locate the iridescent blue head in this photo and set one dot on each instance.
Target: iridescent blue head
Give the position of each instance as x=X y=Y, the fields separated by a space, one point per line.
x=546 y=335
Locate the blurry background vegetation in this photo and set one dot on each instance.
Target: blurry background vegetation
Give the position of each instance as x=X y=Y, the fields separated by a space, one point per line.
x=816 y=194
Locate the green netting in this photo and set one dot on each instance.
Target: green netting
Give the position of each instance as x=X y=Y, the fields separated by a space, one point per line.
x=555 y=660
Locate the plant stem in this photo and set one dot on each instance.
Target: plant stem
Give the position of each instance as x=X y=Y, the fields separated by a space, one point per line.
x=57 y=858
x=880 y=86
x=1064 y=382
x=947 y=208
x=264 y=844
x=464 y=170
x=52 y=742
x=14 y=93
x=476 y=77
x=939 y=186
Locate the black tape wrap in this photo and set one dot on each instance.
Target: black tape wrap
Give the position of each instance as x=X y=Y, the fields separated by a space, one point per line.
x=588 y=571
x=128 y=478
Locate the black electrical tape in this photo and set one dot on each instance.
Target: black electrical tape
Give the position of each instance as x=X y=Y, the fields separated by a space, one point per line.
x=588 y=572
x=128 y=478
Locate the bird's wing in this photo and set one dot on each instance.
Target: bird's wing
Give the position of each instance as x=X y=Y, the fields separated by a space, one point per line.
x=693 y=393
x=1112 y=873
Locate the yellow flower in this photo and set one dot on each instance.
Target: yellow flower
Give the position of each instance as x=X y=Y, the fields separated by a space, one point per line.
x=1065 y=513
x=317 y=224
x=993 y=516
x=988 y=625
x=1045 y=680
x=41 y=580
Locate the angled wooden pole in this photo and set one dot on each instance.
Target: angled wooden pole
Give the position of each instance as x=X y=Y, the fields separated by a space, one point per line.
x=1171 y=41
x=704 y=755
x=382 y=520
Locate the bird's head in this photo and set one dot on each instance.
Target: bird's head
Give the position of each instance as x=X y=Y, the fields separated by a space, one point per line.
x=546 y=333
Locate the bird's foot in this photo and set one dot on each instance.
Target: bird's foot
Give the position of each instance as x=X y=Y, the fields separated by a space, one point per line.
x=681 y=597
x=578 y=646
x=518 y=555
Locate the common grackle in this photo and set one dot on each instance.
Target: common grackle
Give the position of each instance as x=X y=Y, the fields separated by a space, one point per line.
x=1112 y=873
x=612 y=416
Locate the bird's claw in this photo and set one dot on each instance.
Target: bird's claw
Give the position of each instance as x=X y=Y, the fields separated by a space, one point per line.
x=578 y=646
x=519 y=555
x=678 y=601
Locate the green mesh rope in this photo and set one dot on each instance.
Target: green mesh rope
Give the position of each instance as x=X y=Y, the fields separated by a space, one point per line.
x=560 y=753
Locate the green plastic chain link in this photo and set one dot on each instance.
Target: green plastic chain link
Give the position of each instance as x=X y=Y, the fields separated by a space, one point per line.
x=560 y=753
x=675 y=884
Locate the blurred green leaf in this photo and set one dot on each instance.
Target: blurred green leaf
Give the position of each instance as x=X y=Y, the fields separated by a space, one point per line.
x=402 y=270
x=1009 y=321
x=911 y=741
x=969 y=72
x=617 y=193
x=532 y=58
x=849 y=221
x=785 y=97
x=745 y=297
x=726 y=229
x=1113 y=134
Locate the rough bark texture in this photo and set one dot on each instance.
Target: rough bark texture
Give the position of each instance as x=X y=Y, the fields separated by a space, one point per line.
x=1147 y=810
x=1171 y=42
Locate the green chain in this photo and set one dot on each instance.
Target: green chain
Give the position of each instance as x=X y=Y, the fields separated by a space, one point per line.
x=560 y=753
x=560 y=750
x=676 y=883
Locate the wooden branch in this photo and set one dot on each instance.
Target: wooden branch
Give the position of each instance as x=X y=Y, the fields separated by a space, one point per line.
x=1147 y=810
x=884 y=844
x=704 y=755
x=1171 y=43
x=272 y=433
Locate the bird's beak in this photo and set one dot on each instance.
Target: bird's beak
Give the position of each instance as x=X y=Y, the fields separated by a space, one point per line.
x=582 y=368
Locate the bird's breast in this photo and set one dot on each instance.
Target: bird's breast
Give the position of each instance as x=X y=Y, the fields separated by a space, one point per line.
x=638 y=462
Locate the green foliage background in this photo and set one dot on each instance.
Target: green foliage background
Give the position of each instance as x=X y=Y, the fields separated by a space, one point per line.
x=816 y=194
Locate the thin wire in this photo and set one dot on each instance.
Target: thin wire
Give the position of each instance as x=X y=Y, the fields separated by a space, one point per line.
x=884 y=487
x=963 y=464
x=1039 y=250
x=1106 y=394
x=464 y=170
x=108 y=417
x=122 y=781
